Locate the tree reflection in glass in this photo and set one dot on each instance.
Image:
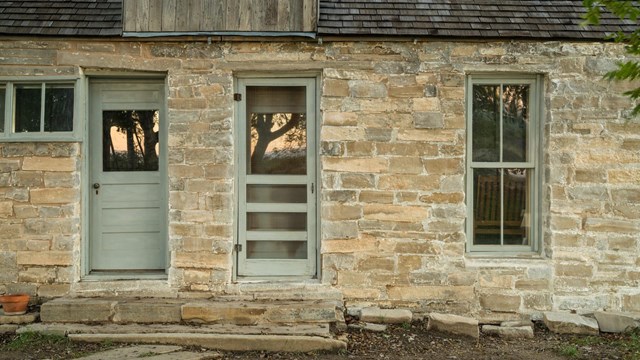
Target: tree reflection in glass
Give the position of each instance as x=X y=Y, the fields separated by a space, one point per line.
x=130 y=140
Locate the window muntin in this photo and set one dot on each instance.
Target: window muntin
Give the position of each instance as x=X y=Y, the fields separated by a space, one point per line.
x=37 y=110
x=501 y=182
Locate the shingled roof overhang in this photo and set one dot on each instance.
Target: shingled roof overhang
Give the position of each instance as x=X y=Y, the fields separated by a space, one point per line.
x=464 y=19
x=61 y=17
x=468 y=19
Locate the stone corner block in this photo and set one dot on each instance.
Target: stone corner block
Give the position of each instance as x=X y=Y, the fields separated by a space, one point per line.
x=617 y=322
x=566 y=323
x=385 y=316
x=454 y=324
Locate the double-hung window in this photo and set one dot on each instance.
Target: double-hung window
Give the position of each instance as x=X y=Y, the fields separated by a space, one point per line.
x=503 y=122
x=37 y=110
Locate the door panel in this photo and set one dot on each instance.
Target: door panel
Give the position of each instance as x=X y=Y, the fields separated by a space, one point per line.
x=128 y=228
x=277 y=207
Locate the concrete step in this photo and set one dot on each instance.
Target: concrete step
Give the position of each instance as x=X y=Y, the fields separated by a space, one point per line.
x=191 y=311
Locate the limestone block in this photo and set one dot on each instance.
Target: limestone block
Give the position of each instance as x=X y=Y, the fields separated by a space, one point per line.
x=54 y=196
x=615 y=322
x=511 y=332
x=500 y=303
x=43 y=258
x=566 y=323
x=147 y=312
x=77 y=311
x=631 y=302
x=335 y=87
x=428 y=120
x=454 y=324
x=216 y=314
x=27 y=318
x=48 y=164
x=385 y=316
x=367 y=89
x=368 y=327
x=8 y=329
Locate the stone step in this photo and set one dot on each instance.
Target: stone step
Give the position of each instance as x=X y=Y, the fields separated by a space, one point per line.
x=64 y=329
x=225 y=342
x=190 y=311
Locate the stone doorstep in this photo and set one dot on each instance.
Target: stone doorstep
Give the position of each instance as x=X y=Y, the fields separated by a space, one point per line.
x=174 y=311
x=223 y=341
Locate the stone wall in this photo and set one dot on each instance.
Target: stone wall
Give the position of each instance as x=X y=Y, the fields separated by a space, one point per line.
x=393 y=162
x=39 y=217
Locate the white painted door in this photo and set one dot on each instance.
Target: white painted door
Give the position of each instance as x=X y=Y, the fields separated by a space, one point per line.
x=276 y=178
x=128 y=228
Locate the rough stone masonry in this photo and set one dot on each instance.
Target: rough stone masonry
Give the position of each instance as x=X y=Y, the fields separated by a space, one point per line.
x=392 y=154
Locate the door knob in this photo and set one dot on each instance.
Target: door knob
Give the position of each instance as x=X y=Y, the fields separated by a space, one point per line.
x=96 y=186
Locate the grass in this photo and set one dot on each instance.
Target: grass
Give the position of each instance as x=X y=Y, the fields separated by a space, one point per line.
x=28 y=340
x=570 y=351
x=626 y=344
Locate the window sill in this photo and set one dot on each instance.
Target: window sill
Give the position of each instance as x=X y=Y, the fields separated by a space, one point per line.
x=45 y=137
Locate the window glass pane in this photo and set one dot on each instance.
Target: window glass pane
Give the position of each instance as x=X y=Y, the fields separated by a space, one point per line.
x=517 y=226
x=3 y=94
x=58 y=108
x=486 y=123
x=487 y=206
x=276 y=249
x=277 y=221
x=130 y=140
x=28 y=101
x=277 y=194
x=515 y=101
x=277 y=136
x=509 y=216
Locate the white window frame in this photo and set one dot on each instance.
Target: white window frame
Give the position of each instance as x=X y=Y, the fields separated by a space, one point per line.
x=9 y=135
x=534 y=161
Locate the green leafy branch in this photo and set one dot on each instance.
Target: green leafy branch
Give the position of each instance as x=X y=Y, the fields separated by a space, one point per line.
x=625 y=10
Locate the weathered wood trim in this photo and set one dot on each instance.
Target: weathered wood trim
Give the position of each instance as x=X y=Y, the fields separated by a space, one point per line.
x=220 y=15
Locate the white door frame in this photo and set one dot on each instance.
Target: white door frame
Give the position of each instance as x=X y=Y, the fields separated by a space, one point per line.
x=312 y=267
x=124 y=79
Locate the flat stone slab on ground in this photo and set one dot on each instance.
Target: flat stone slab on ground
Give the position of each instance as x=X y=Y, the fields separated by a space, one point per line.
x=27 y=318
x=322 y=330
x=385 y=316
x=616 y=322
x=134 y=352
x=369 y=326
x=8 y=328
x=454 y=324
x=566 y=323
x=510 y=332
x=224 y=341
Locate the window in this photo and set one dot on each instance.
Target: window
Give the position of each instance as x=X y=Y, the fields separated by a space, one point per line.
x=502 y=158
x=33 y=111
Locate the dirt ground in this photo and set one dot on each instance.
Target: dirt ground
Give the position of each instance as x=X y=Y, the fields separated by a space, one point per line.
x=398 y=342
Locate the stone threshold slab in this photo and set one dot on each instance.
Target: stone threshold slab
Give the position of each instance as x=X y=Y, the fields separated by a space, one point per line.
x=224 y=342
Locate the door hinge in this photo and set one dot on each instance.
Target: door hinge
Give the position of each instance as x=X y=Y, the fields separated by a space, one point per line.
x=312 y=188
x=237 y=97
x=237 y=247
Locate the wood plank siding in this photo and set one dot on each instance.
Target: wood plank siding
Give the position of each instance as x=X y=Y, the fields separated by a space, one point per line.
x=220 y=15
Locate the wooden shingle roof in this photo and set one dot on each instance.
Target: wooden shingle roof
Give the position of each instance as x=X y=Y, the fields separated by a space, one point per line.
x=542 y=19
x=464 y=19
x=62 y=17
